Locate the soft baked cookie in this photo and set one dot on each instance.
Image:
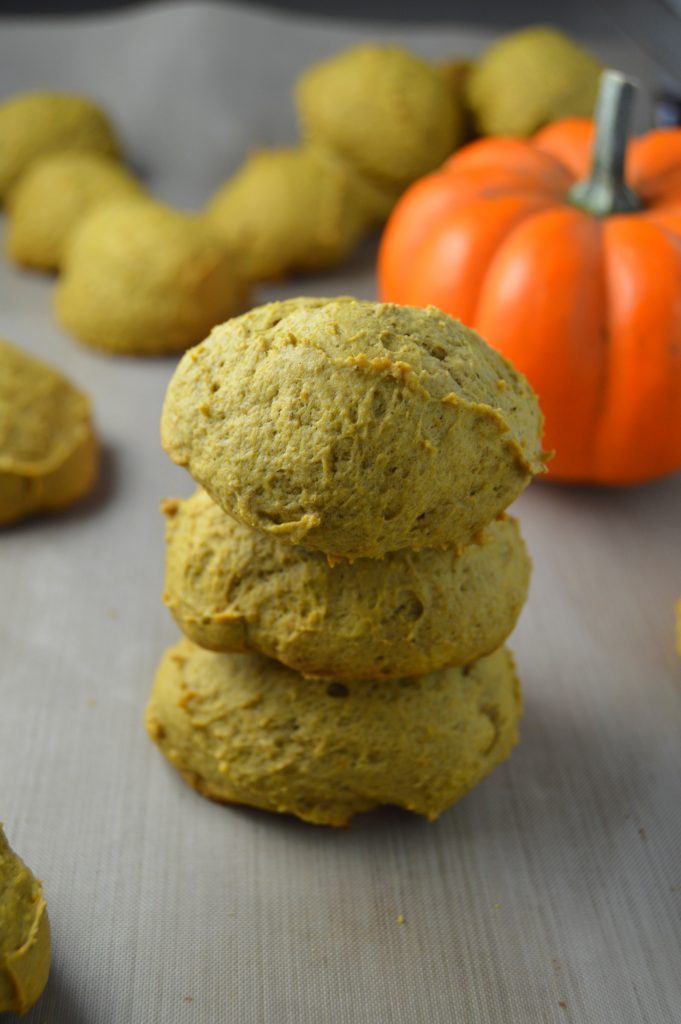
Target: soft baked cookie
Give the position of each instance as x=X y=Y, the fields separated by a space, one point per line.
x=528 y=78
x=243 y=729
x=54 y=195
x=355 y=428
x=35 y=123
x=232 y=588
x=24 y=934
x=288 y=210
x=386 y=111
x=48 y=451
x=143 y=279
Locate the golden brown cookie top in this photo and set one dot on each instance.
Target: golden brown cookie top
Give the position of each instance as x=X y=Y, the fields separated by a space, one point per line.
x=354 y=427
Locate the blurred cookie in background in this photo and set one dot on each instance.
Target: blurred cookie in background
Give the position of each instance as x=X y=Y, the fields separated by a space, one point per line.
x=35 y=123
x=140 y=278
x=53 y=197
x=287 y=210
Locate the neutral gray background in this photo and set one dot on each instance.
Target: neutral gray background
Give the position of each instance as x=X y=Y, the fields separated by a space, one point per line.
x=551 y=894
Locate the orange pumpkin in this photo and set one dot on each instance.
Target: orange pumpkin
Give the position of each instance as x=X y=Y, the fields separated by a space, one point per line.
x=579 y=285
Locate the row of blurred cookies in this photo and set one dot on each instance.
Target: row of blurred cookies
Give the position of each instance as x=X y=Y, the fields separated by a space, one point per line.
x=140 y=277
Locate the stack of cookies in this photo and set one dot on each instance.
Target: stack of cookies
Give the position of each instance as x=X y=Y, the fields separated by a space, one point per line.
x=345 y=575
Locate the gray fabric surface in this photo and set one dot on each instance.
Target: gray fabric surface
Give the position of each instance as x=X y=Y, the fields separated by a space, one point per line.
x=551 y=894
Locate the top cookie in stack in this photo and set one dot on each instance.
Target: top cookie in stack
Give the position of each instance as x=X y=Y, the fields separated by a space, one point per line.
x=352 y=427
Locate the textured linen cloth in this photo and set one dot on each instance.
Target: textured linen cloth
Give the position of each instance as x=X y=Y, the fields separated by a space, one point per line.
x=552 y=893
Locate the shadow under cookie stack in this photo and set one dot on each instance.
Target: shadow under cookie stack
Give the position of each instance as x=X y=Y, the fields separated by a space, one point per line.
x=345 y=575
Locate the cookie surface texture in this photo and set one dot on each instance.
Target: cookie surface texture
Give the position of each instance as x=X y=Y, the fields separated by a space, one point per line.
x=53 y=196
x=48 y=451
x=381 y=108
x=36 y=123
x=354 y=428
x=24 y=934
x=287 y=210
x=143 y=279
x=232 y=588
x=243 y=729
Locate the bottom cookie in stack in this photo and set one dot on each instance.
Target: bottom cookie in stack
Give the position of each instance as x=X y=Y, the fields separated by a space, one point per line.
x=247 y=730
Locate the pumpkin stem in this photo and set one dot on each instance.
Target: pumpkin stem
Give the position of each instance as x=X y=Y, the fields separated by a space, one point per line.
x=604 y=191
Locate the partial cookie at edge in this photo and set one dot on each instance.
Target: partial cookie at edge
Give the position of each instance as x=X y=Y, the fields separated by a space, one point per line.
x=24 y=934
x=49 y=454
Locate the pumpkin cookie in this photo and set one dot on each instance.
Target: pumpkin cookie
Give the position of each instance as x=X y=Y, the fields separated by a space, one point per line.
x=389 y=114
x=243 y=729
x=24 y=934
x=36 y=123
x=355 y=428
x=54 y=195
x=288 y=210
x=231 y=588
x=143 y=279
x=48 y=451
x=531 y=77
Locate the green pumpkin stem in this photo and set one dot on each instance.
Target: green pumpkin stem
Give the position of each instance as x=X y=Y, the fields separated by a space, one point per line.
x=604 y=191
